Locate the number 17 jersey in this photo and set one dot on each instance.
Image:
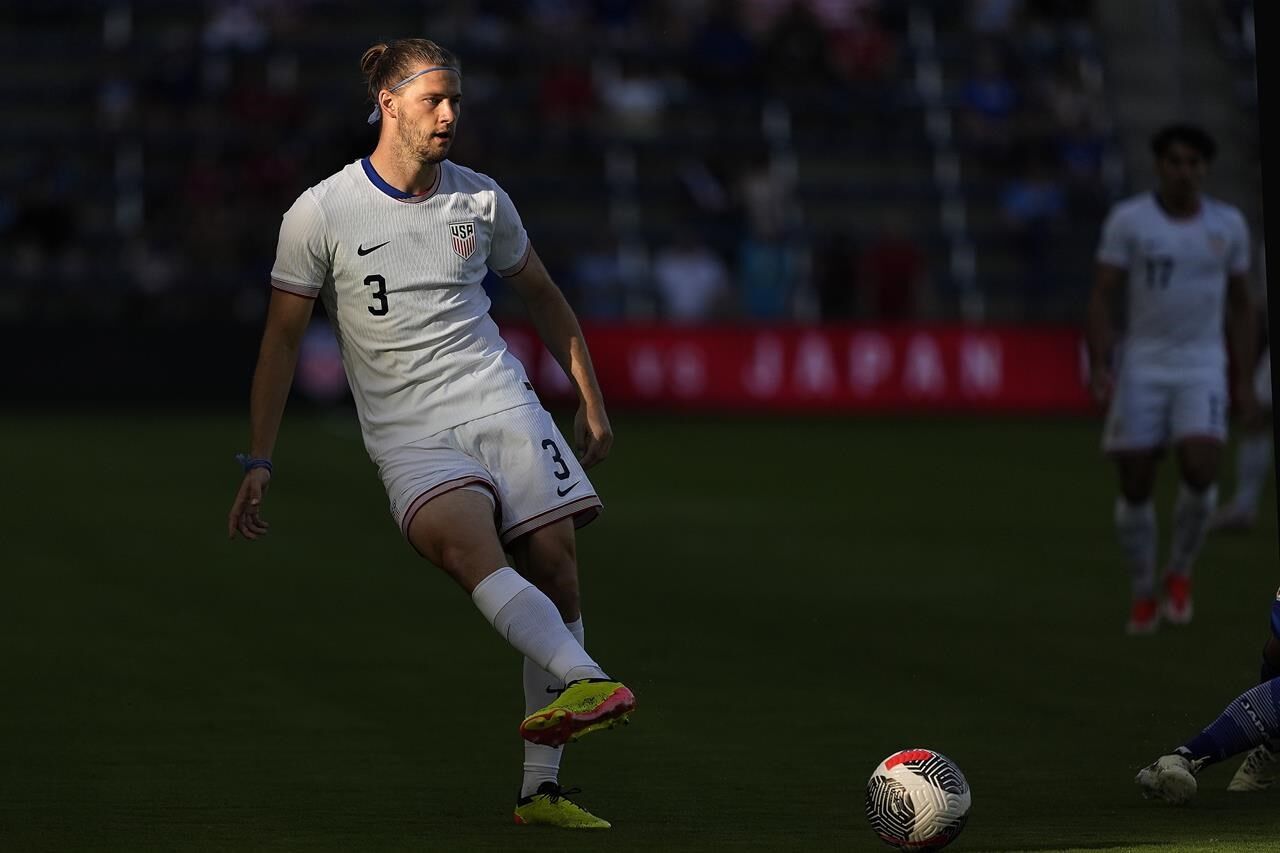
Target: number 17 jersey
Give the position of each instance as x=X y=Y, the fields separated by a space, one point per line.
x=1177 y=280
x=400 y=277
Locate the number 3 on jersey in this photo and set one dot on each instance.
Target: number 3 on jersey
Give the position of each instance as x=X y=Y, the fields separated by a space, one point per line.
x=379 y=294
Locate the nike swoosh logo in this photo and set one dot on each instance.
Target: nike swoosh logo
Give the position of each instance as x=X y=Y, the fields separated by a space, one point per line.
x=362 y=251
x=566 y=490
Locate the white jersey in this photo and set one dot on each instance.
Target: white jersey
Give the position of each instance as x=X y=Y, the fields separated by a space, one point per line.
x=1178 y=272
x=400 y=277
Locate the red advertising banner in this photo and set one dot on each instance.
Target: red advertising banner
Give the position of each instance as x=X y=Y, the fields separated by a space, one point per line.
x=825 y=368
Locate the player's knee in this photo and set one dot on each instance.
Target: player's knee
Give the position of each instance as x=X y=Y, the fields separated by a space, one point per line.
x=1136 y=490
x=1199 y=480
x=1137 y=478
x=468 y=562
x=1134 y=495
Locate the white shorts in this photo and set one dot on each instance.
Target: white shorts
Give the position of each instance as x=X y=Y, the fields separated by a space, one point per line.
x=1262 y=379
x=1150 y=411
x=517 y=457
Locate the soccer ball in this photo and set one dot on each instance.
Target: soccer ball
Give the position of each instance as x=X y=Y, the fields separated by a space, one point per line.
x=917 y=799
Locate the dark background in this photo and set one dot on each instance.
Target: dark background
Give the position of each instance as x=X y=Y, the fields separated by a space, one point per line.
x=793 y=598
x=872 y=162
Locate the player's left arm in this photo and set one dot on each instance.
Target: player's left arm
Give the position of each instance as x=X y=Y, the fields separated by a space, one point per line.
x=1242 y=342
x=558 y=327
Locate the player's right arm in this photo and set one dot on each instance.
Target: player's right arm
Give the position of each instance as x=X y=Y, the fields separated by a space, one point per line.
x=304 y=258
x=1107 y=282
x=1115 y=250
x=287 y=319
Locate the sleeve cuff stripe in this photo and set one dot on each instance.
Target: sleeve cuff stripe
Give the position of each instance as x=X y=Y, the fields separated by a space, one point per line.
x=307 y=290
x=520 y=265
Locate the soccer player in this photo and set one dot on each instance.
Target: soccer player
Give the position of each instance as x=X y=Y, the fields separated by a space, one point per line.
x=397 y=244
x=1251 y=720
x=1182 y=255
x=1254 y=451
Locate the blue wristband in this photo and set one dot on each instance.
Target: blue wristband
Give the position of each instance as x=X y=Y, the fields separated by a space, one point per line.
x=248 y=463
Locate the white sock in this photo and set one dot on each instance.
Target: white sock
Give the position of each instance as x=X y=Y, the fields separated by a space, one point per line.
x=1136 y=530
x=1253 y=463
x=529 y=621
x=542 y=763
x=1191 y=512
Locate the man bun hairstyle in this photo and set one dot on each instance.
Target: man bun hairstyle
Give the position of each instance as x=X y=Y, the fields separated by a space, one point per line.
x=386 y=64
x=1190 y=135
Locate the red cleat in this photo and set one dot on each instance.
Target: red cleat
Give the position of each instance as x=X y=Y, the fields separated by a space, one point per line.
x=1144 y=617
x=1177 y=599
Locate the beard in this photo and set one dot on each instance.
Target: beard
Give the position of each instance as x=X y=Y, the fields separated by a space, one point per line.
x=425 y=147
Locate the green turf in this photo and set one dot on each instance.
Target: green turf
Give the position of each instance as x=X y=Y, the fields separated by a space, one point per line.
x=791 y=601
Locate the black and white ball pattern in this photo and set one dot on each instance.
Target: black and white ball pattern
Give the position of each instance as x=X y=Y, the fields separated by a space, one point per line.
x=917 y=799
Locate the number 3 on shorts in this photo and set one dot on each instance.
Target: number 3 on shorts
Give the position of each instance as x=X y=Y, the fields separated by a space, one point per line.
x=562 y=470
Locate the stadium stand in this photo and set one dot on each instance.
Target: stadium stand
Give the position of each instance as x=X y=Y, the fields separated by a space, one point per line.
x=969 y=149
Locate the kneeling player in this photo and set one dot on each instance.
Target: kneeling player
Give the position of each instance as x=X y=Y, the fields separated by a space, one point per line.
x=1251 y=721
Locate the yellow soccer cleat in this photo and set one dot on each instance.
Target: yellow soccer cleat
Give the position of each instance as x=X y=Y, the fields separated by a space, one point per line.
x=551 y=806
x=585 y=706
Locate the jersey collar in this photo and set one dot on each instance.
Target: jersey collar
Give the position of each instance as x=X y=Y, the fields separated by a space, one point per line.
x=399 y=195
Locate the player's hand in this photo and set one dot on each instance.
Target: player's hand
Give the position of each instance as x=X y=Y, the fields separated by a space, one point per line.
x=1101 y=384
x=592 y=435
x=244 y=516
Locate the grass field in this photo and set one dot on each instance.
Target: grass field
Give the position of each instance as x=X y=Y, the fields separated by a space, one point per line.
x=791 y=601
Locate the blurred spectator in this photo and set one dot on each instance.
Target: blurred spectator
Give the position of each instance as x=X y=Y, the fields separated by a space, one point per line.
x=767 y=258
x=1081 y=149
x=222 y=112
x=988 y=103
x=766 y=277
x=116 y=93
x=555 y=19
x=891 y=273
x=152 y=271
x=711 y=202
x=835 y=275
x=1034 y=205
x=862 y=51
x=691 y=279
x=635 y=95
x=993 y=17
x=595 y=277
x=171 y=76
x=566 y=100
x=485 y=25
x=234 y=25
x=42 y=231
x=263 y=90
x=1070 y=19
x=721 y=59
x=796 y=52
x=1067 y=97
x=767 y=198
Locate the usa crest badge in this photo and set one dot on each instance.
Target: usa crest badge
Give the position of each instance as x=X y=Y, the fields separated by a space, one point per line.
x=463 y=235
